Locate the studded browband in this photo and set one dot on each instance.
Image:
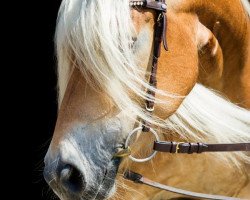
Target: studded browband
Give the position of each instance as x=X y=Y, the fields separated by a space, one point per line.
x=155 y=5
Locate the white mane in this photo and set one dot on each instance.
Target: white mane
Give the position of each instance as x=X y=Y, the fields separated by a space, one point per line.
x=95 y=36
x=246 y=5
x=205 y=116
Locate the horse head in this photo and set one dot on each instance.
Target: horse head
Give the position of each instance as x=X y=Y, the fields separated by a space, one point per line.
x=104 y=50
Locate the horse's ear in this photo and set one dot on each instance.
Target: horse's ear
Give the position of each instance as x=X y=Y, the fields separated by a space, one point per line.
x=210 y=56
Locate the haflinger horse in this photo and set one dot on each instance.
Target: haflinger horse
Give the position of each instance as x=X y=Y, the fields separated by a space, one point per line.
x=105 y=50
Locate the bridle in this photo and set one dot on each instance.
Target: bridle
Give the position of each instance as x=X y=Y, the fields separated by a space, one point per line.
x=160 y=28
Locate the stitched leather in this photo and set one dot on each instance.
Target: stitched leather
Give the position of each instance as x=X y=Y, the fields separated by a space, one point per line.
x=156 y=6
x=171 y=147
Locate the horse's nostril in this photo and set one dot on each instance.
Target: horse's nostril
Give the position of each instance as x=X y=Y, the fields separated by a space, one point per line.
x=72 y=179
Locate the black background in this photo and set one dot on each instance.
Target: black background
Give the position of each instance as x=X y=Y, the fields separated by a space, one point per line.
x=45 y=15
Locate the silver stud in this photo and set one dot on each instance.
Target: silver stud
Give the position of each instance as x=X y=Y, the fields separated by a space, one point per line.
x=164 y=6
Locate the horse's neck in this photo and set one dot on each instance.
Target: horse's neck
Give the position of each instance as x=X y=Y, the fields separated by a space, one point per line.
x=233 y=35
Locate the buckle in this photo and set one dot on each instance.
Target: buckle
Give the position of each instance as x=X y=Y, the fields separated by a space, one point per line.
x=177 y=146
x=123 y=153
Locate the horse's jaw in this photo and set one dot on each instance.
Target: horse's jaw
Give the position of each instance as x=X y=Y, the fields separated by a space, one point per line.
x=82 y=166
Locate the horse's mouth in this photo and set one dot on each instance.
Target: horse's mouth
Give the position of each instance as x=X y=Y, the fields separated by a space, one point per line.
x=107 y=186
x=103 y=194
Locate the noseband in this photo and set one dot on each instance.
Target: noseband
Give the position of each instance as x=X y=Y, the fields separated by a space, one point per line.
x=160 y=28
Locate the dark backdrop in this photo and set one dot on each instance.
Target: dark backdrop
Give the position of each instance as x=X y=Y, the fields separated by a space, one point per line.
x=46 y=110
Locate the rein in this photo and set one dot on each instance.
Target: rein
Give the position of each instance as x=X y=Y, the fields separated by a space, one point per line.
x=160 y=28
x=138 y=178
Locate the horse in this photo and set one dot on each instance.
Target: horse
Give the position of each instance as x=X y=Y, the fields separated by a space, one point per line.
x=105 y=50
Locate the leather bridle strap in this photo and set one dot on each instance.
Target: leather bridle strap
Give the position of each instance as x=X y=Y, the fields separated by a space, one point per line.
x=138 y=178
x=189 y=148
x=160 y=8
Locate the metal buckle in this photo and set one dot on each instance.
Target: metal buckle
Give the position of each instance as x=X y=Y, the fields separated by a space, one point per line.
x=177 y=146
x=127 y=143
x=160 y=16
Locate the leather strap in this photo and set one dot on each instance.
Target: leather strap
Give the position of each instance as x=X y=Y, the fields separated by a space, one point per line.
x=138 y=178
x=179 y=147
x=159 y=34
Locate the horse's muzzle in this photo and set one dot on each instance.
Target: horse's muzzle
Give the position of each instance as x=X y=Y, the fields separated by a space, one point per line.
x=66 y=175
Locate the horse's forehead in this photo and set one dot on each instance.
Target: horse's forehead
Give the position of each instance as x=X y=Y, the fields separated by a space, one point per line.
x=141 y=18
